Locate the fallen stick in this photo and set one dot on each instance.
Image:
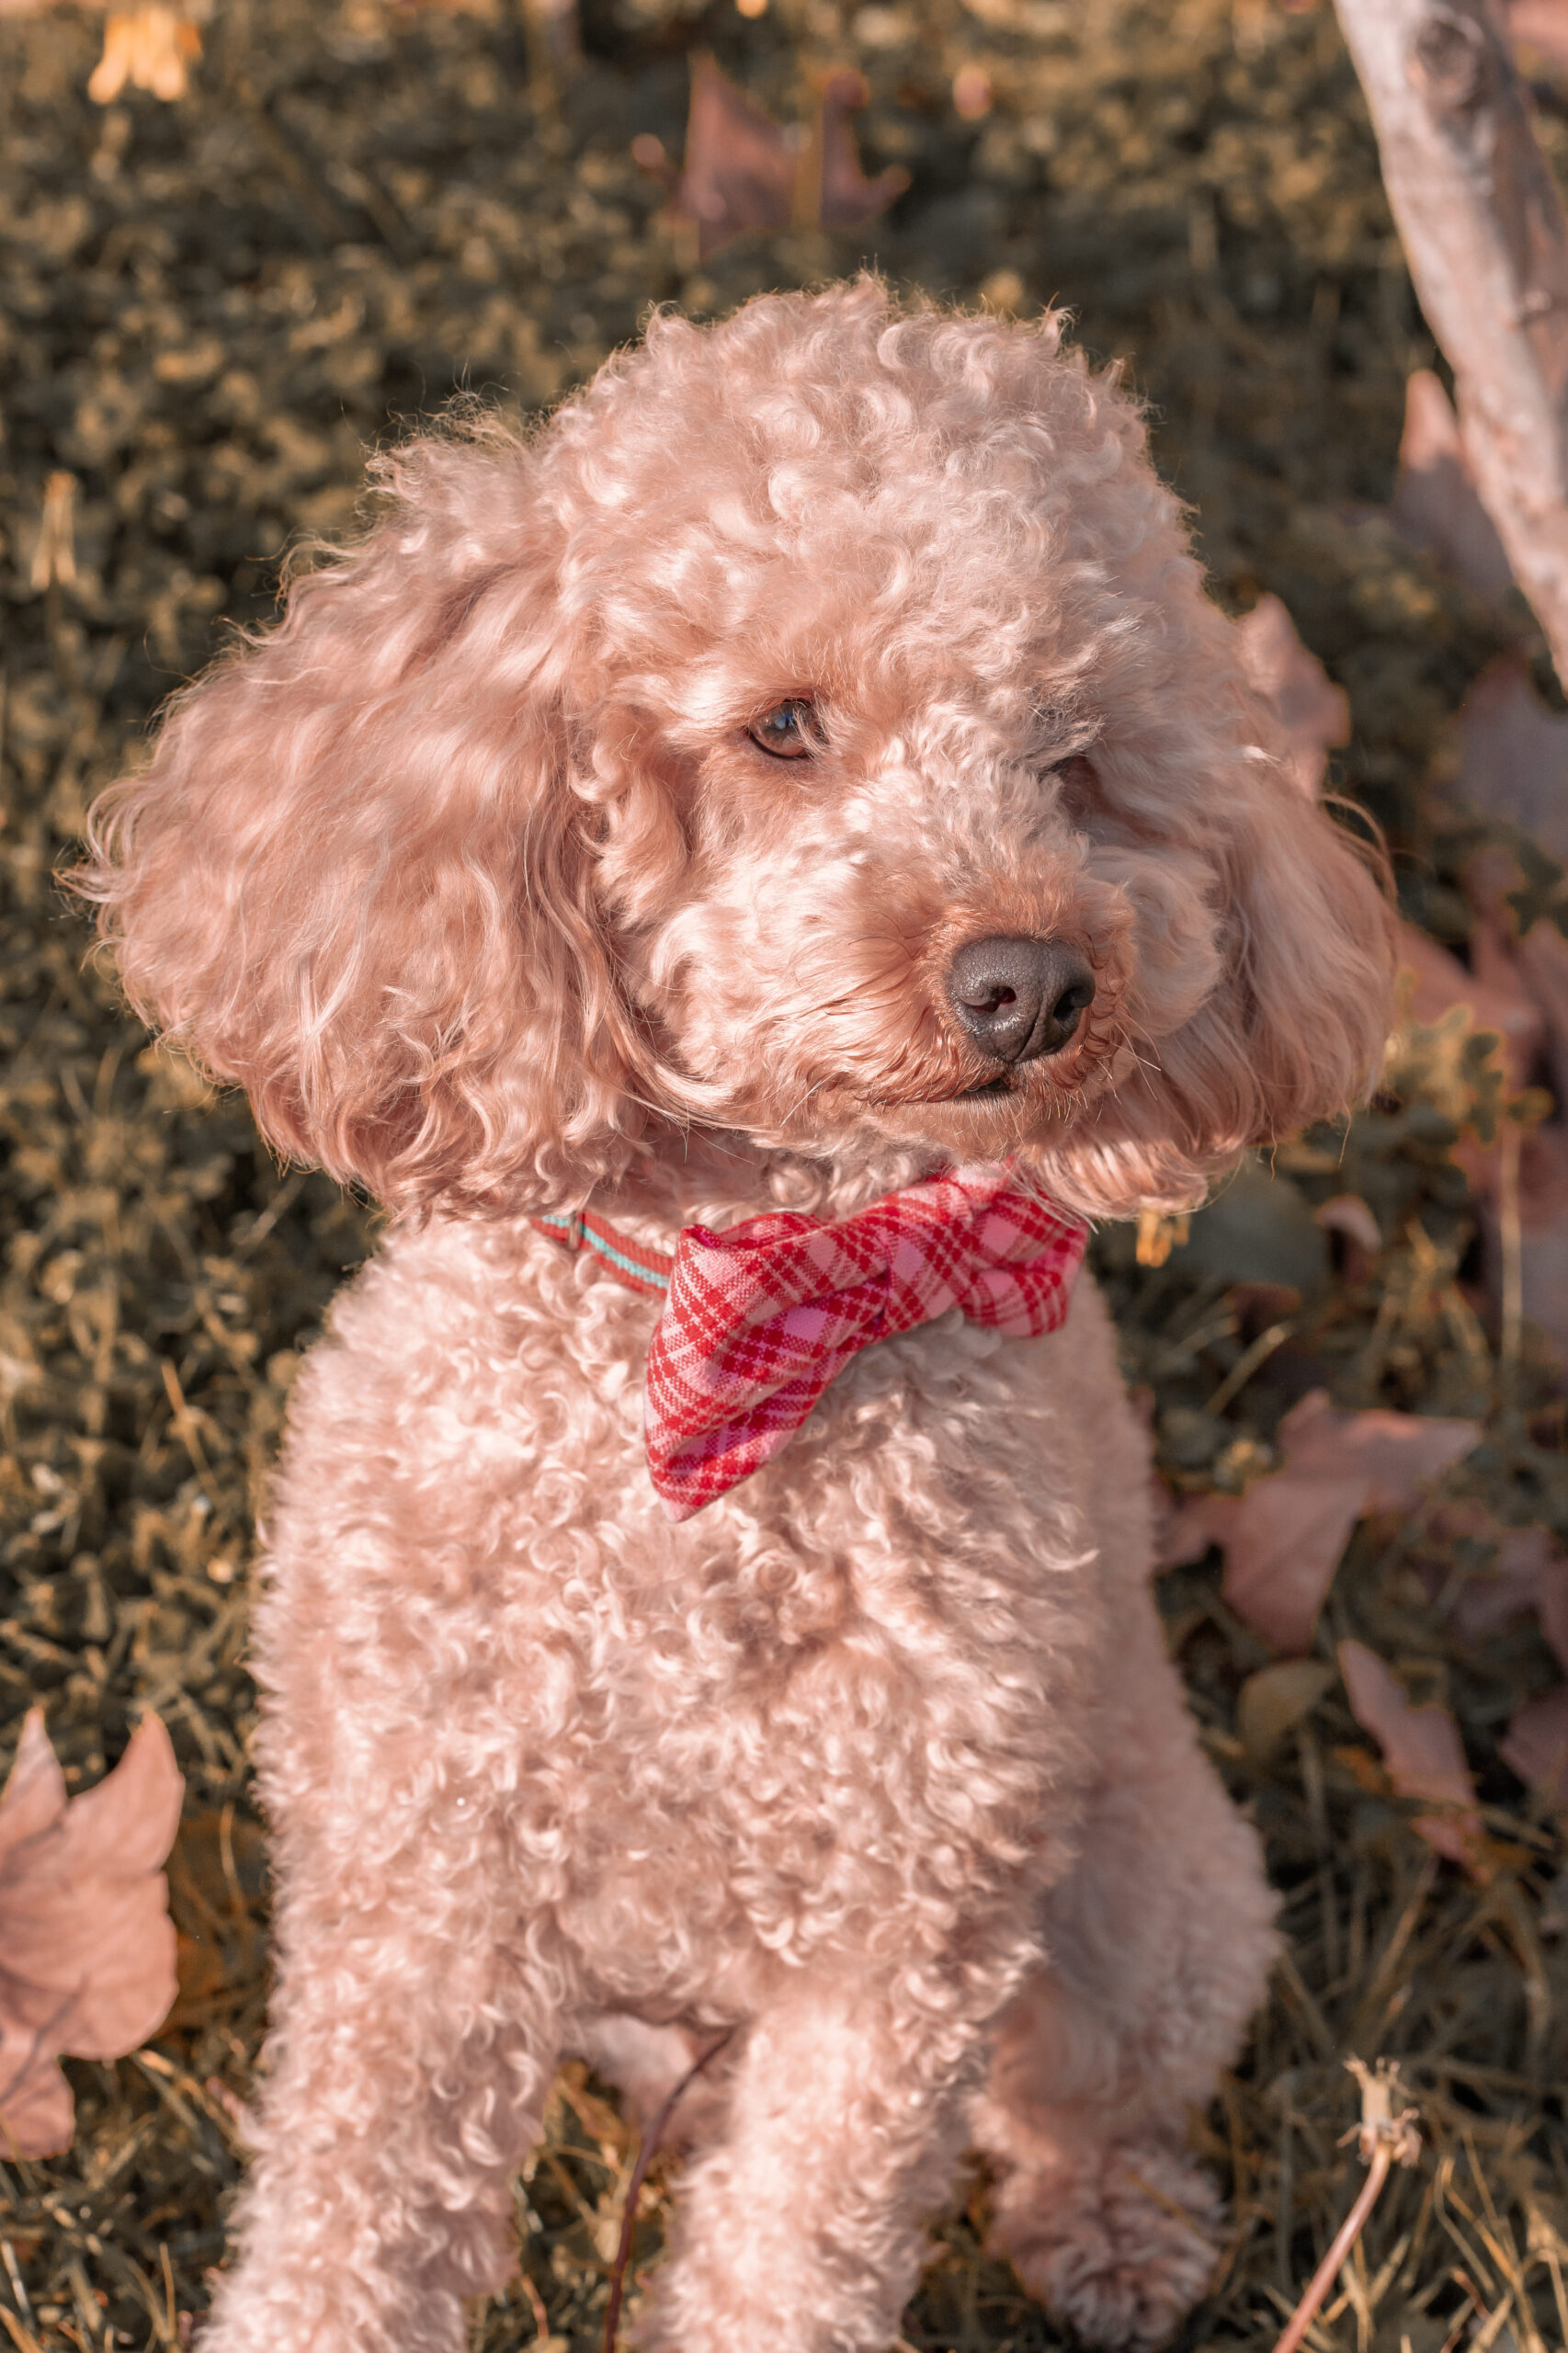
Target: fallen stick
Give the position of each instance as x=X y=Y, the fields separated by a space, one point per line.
x=1487 y=238
x=645 y=2155
x=1384 y=2140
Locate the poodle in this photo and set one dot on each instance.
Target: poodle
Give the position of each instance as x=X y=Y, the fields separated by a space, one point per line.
x=804 y=775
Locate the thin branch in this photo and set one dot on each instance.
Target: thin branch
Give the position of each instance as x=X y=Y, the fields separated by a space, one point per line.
x=1386 y=2139
x=645 y=2157
x=1487 y=238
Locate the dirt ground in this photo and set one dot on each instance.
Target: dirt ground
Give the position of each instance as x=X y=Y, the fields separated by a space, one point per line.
x=210 y=310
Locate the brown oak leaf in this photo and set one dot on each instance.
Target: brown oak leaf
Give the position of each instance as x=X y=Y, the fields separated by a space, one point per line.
x=1514 y=753
x=1284 y=1538
x=1422 y=1751
x=1495 y=992
x=740 y=167
x=1535 y=1745
x=86 y=1945
x=745 y=171
x=846 y=198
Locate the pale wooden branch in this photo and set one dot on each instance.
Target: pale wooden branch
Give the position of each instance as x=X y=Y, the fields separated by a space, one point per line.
x=1487 y=238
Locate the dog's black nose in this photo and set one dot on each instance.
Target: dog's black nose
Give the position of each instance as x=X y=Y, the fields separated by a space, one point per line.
x=1020 y=998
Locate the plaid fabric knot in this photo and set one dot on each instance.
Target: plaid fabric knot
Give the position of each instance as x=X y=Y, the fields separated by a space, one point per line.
x=757 y=1321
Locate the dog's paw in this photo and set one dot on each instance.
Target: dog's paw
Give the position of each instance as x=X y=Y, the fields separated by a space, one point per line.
x=1120 y=2244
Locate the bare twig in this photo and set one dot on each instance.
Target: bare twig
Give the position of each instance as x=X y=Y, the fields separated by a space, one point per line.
x=645 y=2157
x=1487 y=241
x=23 y=2338
x=54 y=558
x=1513 y=1262
x=1383 y=2140
x=555 y=48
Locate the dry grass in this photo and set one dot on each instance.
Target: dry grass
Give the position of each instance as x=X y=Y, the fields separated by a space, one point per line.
x=208 y=309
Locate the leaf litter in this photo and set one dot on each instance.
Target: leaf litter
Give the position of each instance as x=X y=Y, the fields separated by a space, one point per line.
x=1283 y=1537
x=212 y=305
x=86 y=1945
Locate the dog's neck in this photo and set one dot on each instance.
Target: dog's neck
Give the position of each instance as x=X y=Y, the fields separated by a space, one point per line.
x=718 y=1179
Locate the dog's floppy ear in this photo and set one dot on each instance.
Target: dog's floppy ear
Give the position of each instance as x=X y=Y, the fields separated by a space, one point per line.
x=1295 y=1026
x=354 y=879
x=1297 y=1030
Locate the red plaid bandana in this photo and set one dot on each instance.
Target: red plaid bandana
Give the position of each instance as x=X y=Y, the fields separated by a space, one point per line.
x=757 y=1321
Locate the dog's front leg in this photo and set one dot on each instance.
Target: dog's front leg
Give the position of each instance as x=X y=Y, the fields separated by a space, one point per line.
x=800 y=2230
x=410 y=2054
x=1161 y=1939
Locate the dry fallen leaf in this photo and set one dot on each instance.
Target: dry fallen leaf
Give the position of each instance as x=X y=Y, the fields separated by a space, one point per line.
x=844 y=197
x=1395 y=1454
x=1494 y=990
x=1275 y=1700
x=740 y=168
x=1541 y=27
x=1542 y=1190
x=1530 y=1571
x=150 y=48
x=86 y=1945
x=1514 y=753
x=1535 y=1745
x=1282 y=1542
x=745 y=171
x=55 y=555
x=1313 y=711
x=1284 y=1538
x=1527 y=1570
x=1348 y=1214
x=1434 y=502
x=1423 y=1754
x=1543 y=959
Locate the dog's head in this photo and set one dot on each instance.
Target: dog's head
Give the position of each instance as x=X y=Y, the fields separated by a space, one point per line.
x=818 y=730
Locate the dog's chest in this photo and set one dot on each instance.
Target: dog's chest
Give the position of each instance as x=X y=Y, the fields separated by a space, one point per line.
x=860 y=1681
x=861 y=1668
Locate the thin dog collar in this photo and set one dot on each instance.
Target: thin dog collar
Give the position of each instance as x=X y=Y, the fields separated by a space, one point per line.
x=637 y=1265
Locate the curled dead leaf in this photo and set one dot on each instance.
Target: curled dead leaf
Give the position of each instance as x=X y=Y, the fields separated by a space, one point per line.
x=1435 y=504
x=1313 y=711
x=86 y=1945
x=1284 y=1538
x=55 y=555
x=1348 y=1214
x=1275 y=1700
x=1543 y=959
x=1514 y=753
x=1526 y=1570
x=1494 y=992
x=740 y=167
x=1423 y=1754
x=1535 y=1745
x=744 y=171
x=843 y=197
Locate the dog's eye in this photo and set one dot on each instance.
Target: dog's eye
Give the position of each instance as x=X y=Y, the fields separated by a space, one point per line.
x=789 y=731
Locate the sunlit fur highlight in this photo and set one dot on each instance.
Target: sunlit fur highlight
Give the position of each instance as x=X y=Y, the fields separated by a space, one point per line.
x=470 y=873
